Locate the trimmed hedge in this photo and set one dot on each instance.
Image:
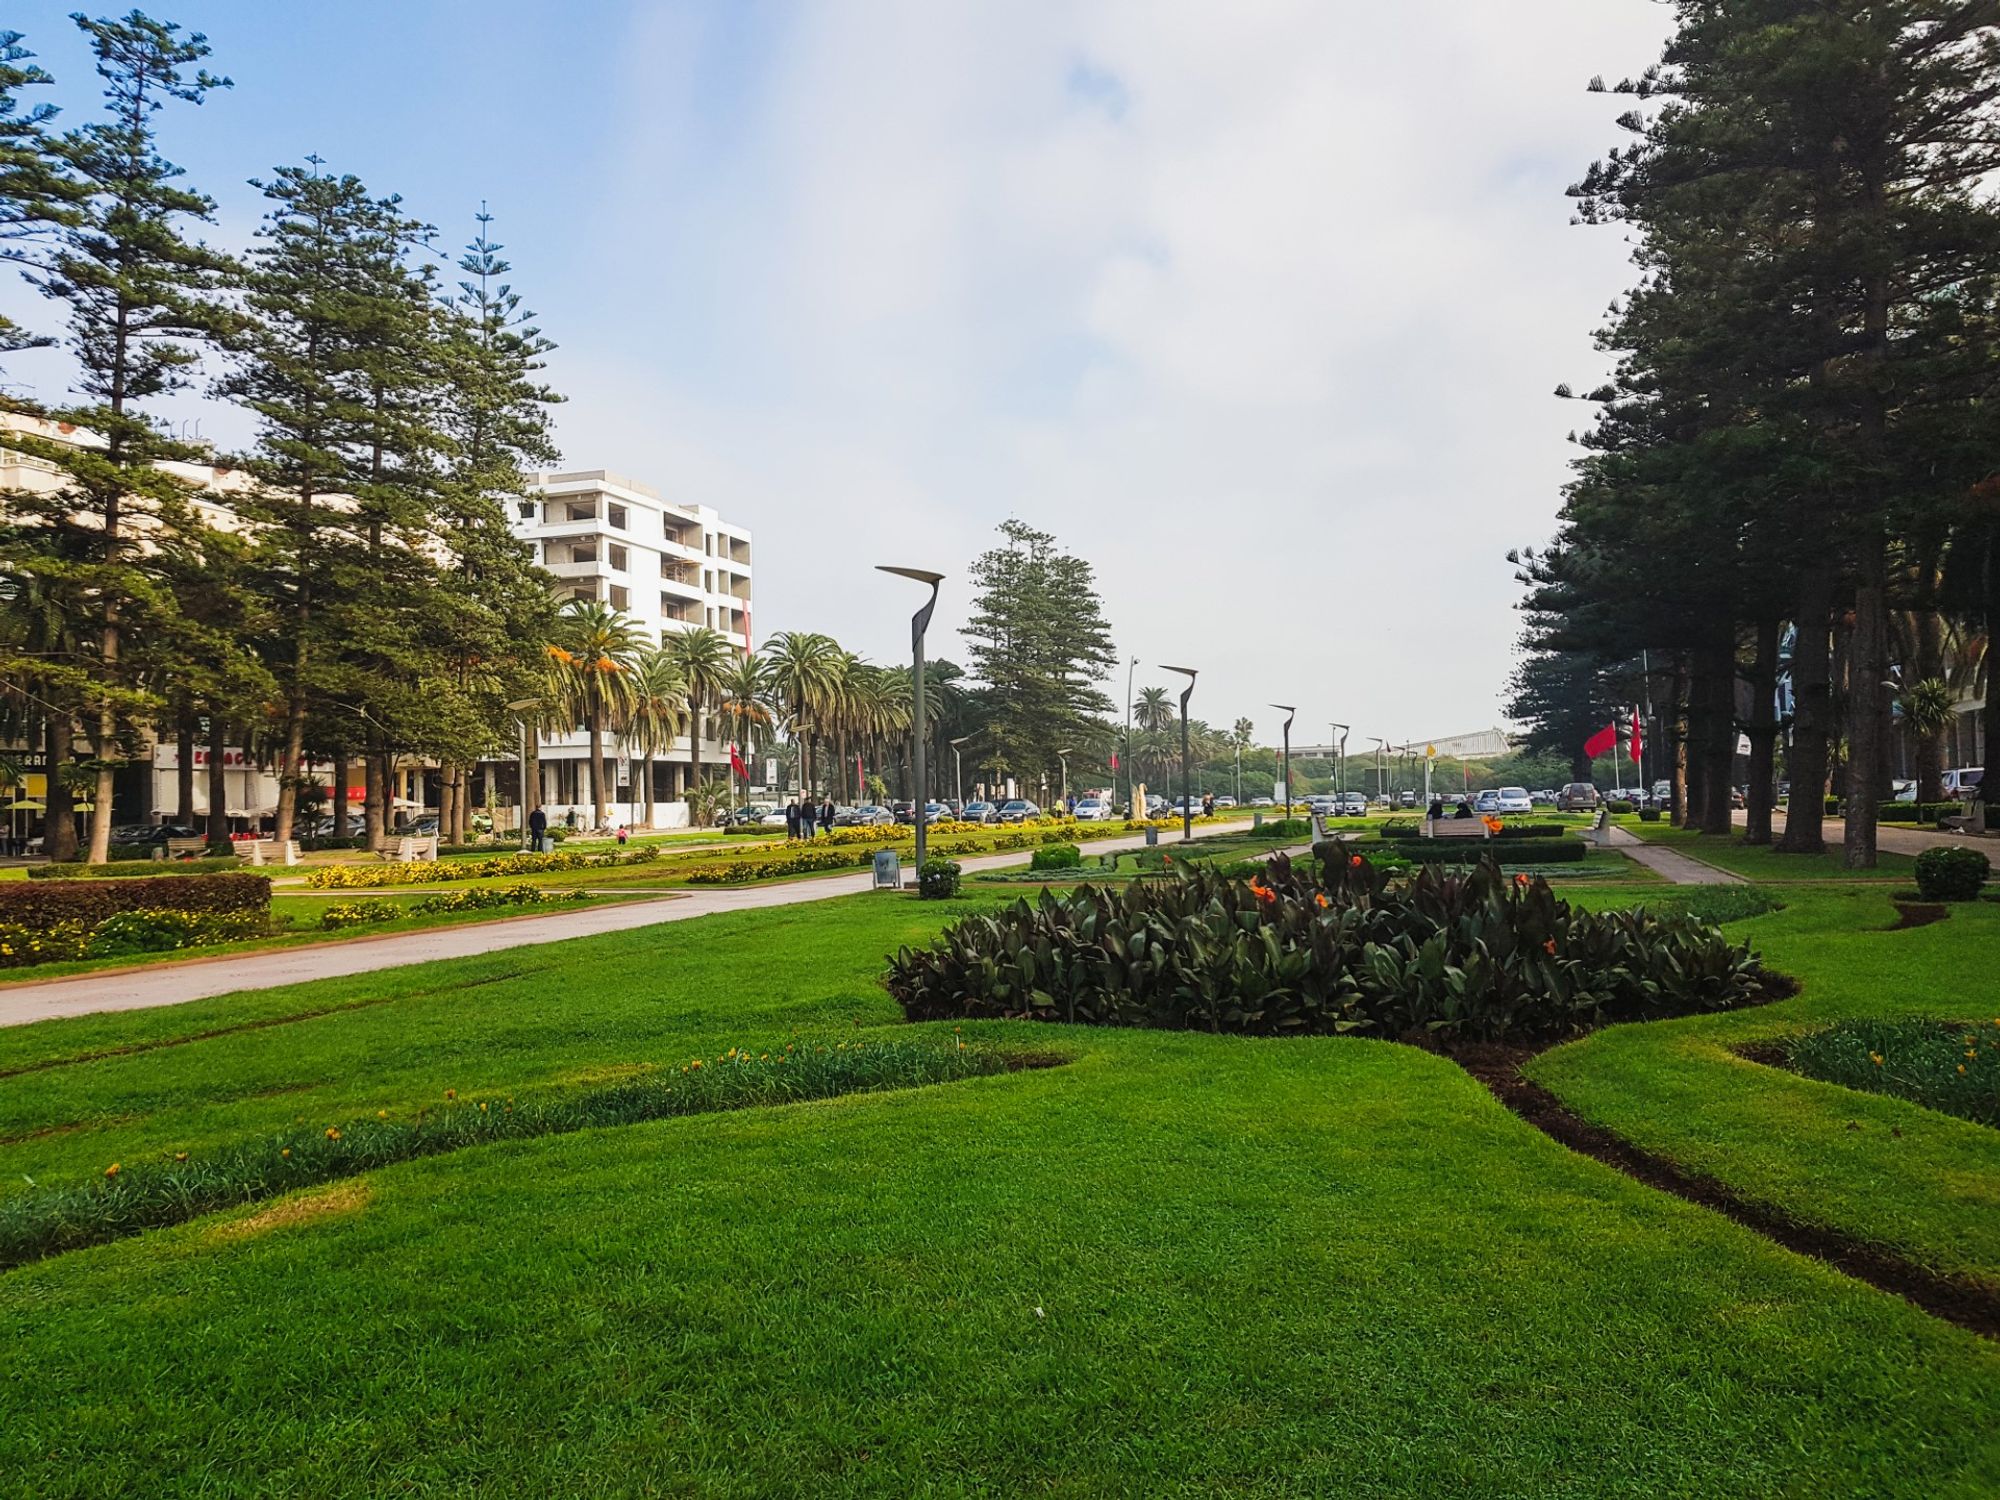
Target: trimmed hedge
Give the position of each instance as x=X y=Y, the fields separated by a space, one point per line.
x=1401 y=830
x=151 y=930
x=937 y=879
x=44 y=904
x=1470 y=851
x=125 y=868
x=1476 y=955
x=1056 y=857
x=1919 y=812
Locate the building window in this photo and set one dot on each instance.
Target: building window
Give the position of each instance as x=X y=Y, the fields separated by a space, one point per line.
x=617 y=557
x=708 y=542
x=527 y=509
x=581 y=510
x=621 y=597
x=583 y=552
x=617 y=516
x=584 y=592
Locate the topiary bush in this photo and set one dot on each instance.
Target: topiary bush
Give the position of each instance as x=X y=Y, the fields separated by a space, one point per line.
x=1056 y=857
x=1951 y=873
x=1473 y=955
x=128 y=868
x=937 y=879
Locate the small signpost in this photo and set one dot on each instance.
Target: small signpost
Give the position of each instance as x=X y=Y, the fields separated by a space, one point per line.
x=888 y=870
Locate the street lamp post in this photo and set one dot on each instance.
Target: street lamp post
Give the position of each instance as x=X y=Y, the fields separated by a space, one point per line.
x=919 y=622
x=1187 y=796
x=1339 y=748
x=958 y=774
x=1131 y=786
x=1239 y=775
x=519 y=708
x=1063 y=756
x=1291 y=713
x=1381 y=768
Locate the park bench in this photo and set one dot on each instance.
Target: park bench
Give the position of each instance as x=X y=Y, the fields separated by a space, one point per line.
x=182 y=848
x=1600 y=828
x=1456 y=828
x=268 y=851
x=409 y=848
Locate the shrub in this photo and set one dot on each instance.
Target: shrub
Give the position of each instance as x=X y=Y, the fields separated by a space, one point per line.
x=45 y=904
x=1287 y=828
x=1469 y=851
x=127 y=868
x=1649 y=815
x=359 y=913
x=937 y=879
x=164 y=931
x=431 y=871
x=1919 y=812
x=796 y=859
x=346 y=841
x=1951 y=872
x=1476 y=955
x=1056 y=857
x=1622 y=805
x=485 y=898
x=1402 y=828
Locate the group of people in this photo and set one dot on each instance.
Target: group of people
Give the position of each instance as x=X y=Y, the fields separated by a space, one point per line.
x=802 y=814
x=1463 y=810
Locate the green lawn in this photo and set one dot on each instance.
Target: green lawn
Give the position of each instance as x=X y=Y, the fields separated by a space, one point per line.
x=1179 y=1265
x=1879 y=1168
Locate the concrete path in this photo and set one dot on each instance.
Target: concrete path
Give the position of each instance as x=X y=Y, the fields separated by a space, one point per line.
x=1894 y=839
x=1670 y=864
x=196 y=979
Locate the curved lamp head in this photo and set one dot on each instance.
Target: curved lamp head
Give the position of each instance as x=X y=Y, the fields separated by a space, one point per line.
x=1291 y=713
x=922 y=617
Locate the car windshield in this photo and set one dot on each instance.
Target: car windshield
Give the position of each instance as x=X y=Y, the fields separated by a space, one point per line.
x=1513 y=791
x=1971 y=778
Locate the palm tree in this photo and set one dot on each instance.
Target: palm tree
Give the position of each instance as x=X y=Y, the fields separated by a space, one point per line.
x=595 y=680
x=704 y=657
x=657 y=714
x=742 y=703
x=801 y=673
x=1155 y=710
x=1243 y=733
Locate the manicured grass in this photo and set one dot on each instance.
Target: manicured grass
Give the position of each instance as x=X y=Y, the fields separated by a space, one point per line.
x=1180 y=1265
x=1761 y=862
x=1876 y=1168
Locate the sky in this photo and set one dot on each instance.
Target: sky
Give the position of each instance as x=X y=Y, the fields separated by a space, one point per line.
x=1258 y=307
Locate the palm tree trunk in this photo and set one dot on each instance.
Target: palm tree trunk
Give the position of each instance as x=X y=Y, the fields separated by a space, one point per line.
x=596 y=768
x=646 y=770
x=694 y=747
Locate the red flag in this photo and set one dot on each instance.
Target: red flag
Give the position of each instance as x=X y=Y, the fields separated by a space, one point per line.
x=1114 y=760
x=1603 y=742
x=736 y=764
x=1635 y=737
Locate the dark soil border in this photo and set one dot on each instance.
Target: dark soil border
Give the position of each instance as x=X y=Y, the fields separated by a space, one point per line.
x=1919 y=914
x=1973 y=1306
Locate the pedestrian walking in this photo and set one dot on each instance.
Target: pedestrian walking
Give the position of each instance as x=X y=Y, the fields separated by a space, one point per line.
x=826 y=816
x=621 y=835
x=538 y=828
x=792 y=819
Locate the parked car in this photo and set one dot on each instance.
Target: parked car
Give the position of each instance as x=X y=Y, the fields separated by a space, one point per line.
x=1156 y=805
x=1225 y=801
x=1515 y=799
x=1577 y=796
x=1546 y=798
x=772 y=818
x=866 y=815
x=1093 y=810
x=1964 y=782
x=979 y=812
x=151 y=833
x=1263 y=802
x=1487 y=801
x=1353 y=805
x=1020 y=810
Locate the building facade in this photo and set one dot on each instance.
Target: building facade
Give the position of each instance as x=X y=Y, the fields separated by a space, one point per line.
x=668 y=565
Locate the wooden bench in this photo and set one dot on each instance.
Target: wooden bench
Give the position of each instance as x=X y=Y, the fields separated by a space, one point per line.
x=409 y=848
x=181 y=848
x=1456 y=828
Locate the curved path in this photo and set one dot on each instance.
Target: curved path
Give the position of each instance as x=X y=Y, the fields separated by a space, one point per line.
x=196 y=979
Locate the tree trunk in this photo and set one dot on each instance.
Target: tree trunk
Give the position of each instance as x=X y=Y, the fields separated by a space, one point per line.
x=646 y=771
x=694 y=748
x=1867 y=709
x=290 y=760
x=218 y=782
x=1678 y=731
x=1763 y=730
x=531 y=771
x=1929 y=745
x=1812 y=717
x=596 y=769
x=1718 y=746
x=340 y=794
x=59 y=814
x=184 y=769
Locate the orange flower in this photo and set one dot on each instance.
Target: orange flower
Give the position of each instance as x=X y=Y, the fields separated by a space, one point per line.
x=286 y=1152
x=451 y=1093
x=606 y=664
x=1353 y=861
x=180 y=1156
x=1549 y=946
x=1492 y=824
x=1320 y=897
x=1263 y=892
x=332 y=1134
x=1520 y=880
x=112 y=1170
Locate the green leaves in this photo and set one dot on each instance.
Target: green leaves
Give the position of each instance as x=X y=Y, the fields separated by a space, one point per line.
x=1479 y=955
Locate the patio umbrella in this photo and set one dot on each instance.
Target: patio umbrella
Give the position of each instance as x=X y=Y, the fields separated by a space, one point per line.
x=27 y=804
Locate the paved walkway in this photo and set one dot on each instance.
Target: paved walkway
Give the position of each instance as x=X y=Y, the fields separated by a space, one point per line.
x=1670 y=864
x=1902 y=839
x=197 y=979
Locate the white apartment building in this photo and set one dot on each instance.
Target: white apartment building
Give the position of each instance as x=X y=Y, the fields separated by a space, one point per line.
x=670 y=565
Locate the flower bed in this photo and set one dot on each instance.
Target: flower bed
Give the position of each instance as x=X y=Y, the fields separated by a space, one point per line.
x=126 y=932
x=1478 y=955
x=436 y=871
x=365 y=912
x=41 y=905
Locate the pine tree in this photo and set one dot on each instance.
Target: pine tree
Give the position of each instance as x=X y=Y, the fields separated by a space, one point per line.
x=139 y=297
x=36 y=195
x=1039 y=643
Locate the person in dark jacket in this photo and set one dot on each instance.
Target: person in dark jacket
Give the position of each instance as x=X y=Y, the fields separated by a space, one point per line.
x=826 y=816
x=538 y=827
x=792 y=819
